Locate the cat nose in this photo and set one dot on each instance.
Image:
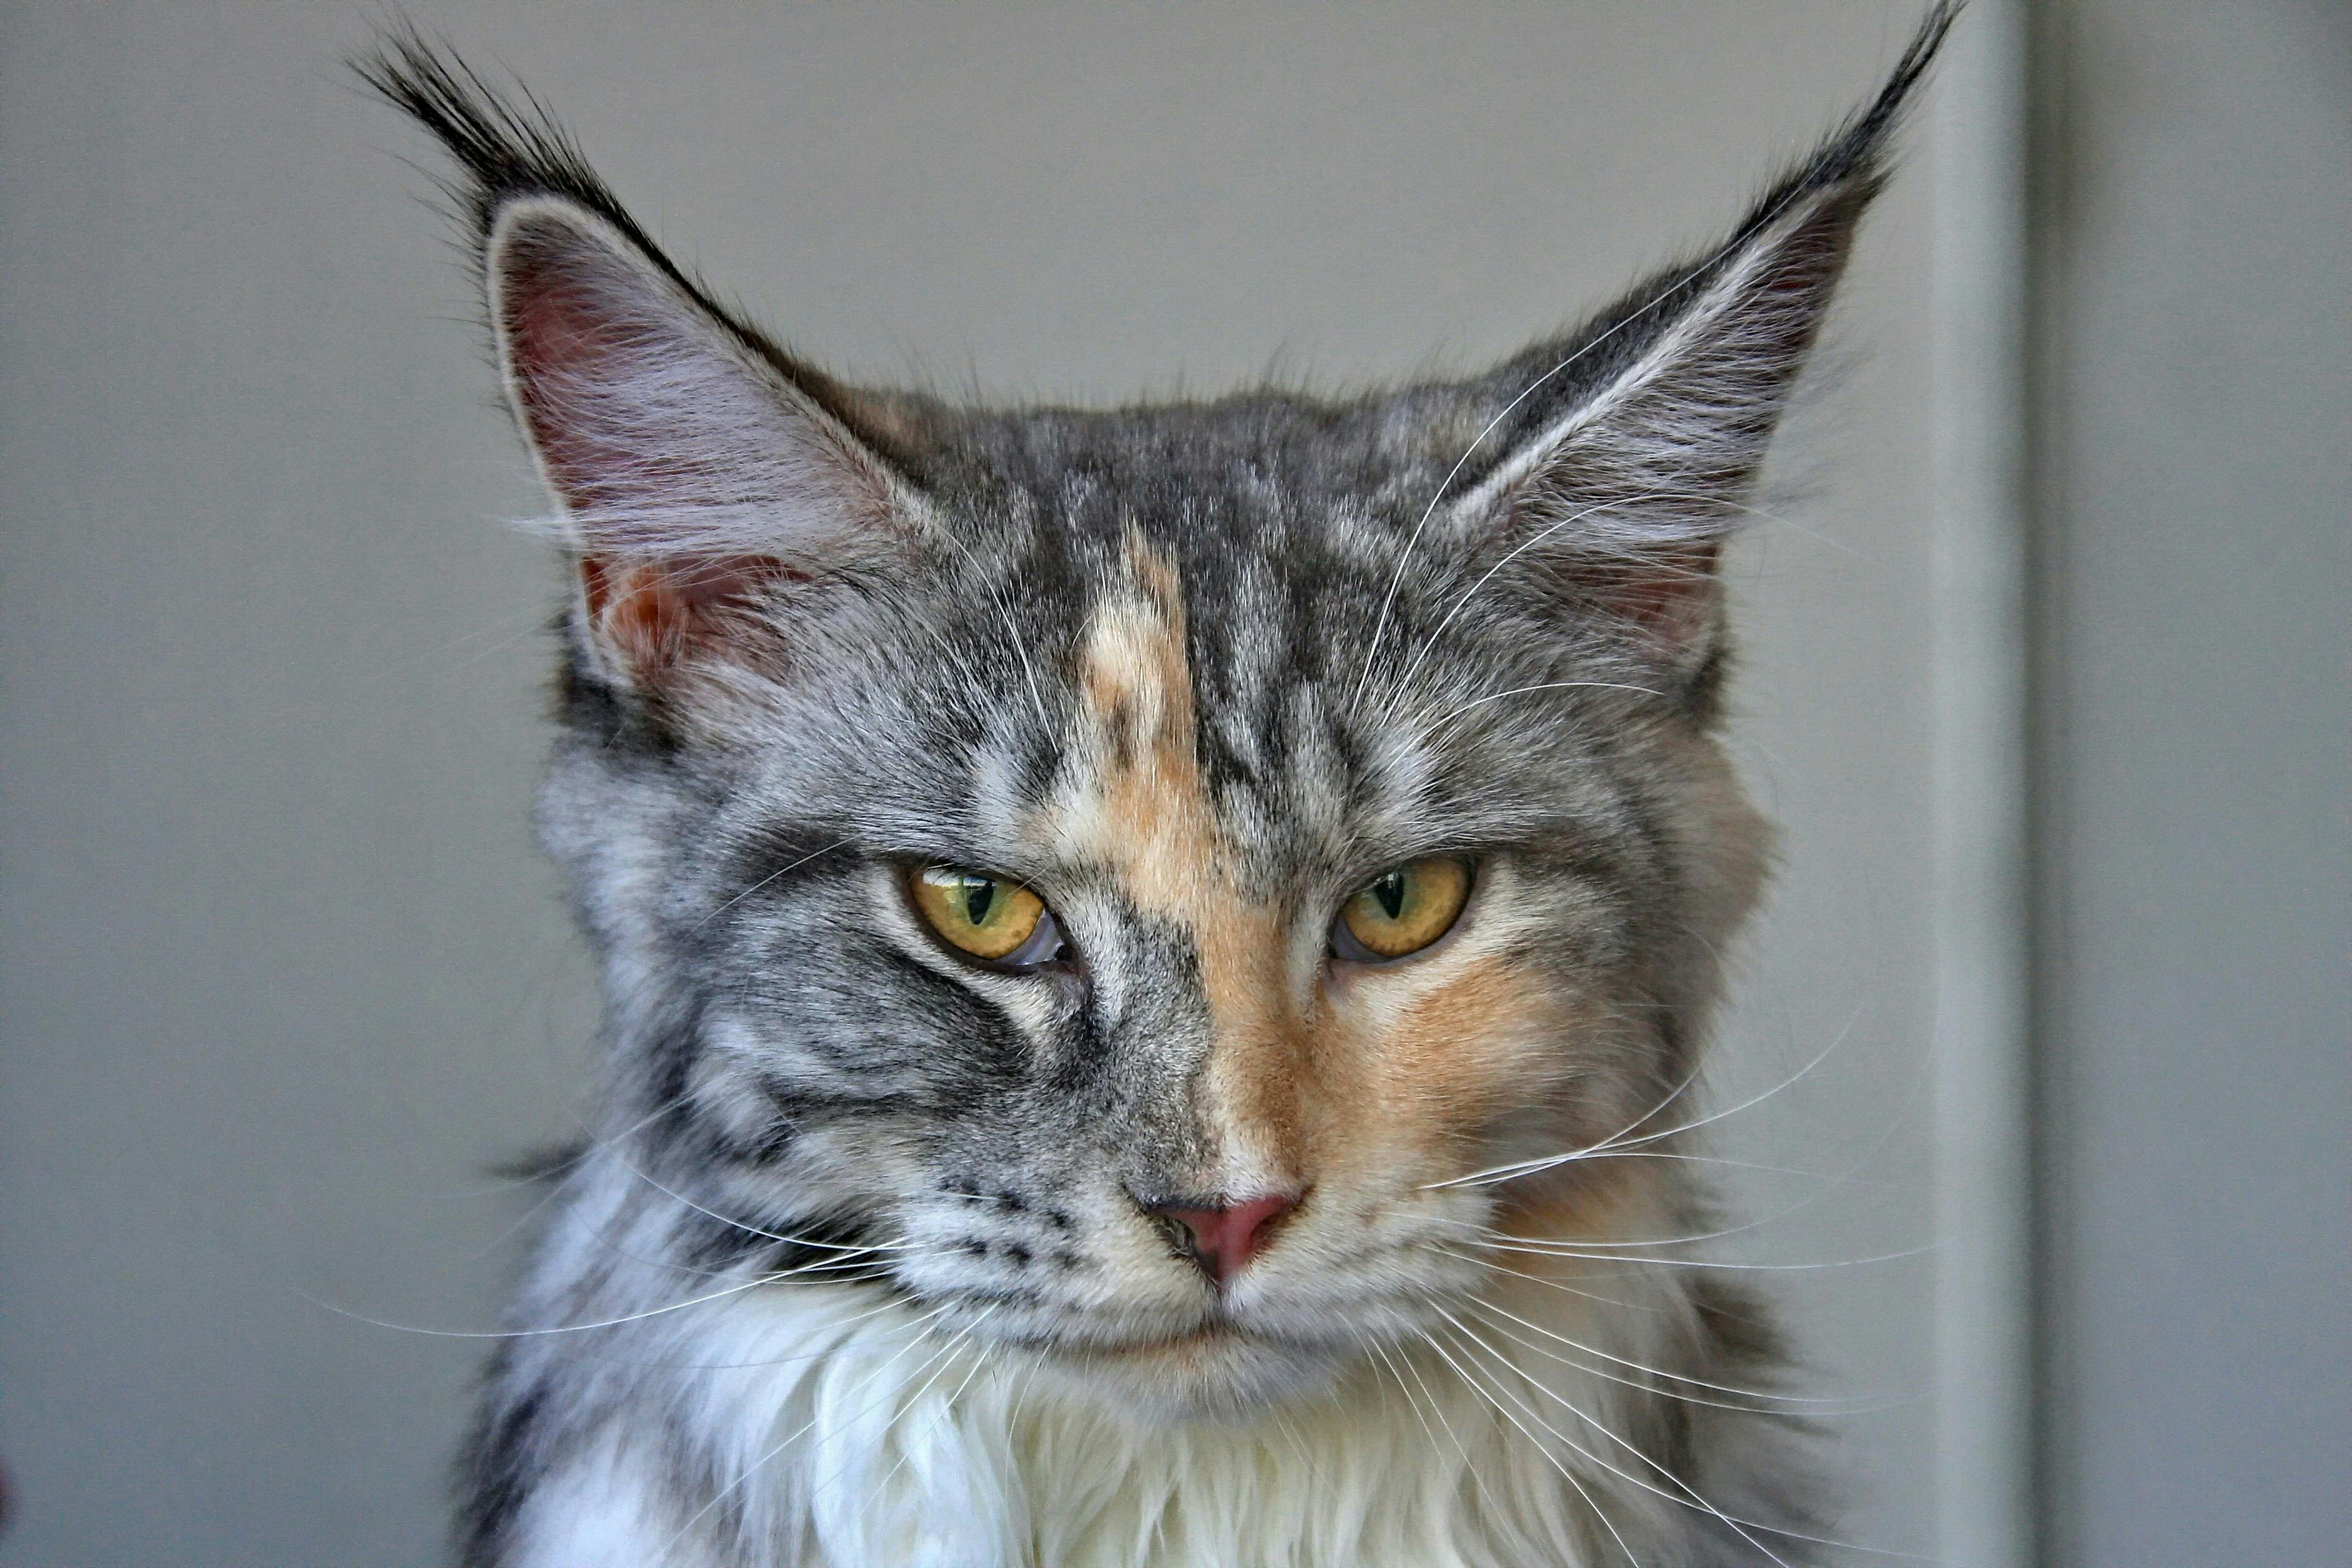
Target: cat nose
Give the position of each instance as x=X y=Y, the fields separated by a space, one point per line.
x=1223 y=1237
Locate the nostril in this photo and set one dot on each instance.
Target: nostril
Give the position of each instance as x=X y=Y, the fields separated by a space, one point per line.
x=1203 y=1229
x=1223 y=1237
x=1250 y=1224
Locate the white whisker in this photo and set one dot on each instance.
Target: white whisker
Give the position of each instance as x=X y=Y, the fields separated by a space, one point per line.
x=1542 y=686
x=1694 y=1500
x=1582 y=1255
x=1567 y=1475
x=1599 y=1354
x=560 y=1328
x=1437 y=1409
x=1011 y=631
x=1617 y=1142
x=963 y=1339
x=772 y=876
x=899 y=1246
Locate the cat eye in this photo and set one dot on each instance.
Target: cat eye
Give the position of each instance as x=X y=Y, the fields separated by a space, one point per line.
x=987 y=917
x=1402 y=911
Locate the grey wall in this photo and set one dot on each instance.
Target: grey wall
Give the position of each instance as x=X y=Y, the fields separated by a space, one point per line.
x=2197 y=771
x=279 y=971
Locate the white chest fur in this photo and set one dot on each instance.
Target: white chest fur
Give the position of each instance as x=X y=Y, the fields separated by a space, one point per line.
x=833 y=1428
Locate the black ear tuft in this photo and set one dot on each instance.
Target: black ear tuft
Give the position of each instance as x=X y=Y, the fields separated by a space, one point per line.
x=509 y=148
x=1858 y=149
x=506 y=149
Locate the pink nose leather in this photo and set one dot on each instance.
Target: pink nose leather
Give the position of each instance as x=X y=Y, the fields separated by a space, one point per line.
x=1227 y=1236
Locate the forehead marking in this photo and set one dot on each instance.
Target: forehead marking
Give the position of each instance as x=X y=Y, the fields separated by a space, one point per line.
x=1145 y=811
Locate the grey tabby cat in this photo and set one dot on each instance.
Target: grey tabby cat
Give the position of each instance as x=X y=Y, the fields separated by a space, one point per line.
x=1142 y=948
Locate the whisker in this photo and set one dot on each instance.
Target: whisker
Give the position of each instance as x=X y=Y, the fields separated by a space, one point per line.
x=1649 y=1389
x=1553 y=1460
x=1382 y=1351
x=615 y=1248
x=1412 y=667
x=1011 y=631
x=1562 y=1285
x=901 y=1245
x=1472 y=1337
x=1836 y=1177
x=963 y=1338
x=1428 y=644
x=1438 y=1410
x=1512 y=1235
x=553 y=1174
x=1298 y=1445
x=1516 y=1166
x=1751 y=1103
x=752 y=1284
x=772 y=876
x=1738 y=1523
x=1566 y=1250
x=1601 y=1354
x=891 y=1304
x=1020 y=1393
x=1547 y=1281
x=1757 y=1224
x=1620 y=1141
x=1542 y=686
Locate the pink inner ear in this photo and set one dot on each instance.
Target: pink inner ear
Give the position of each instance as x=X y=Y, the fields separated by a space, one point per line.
x=1664 y=593
x=694 y=473
x=654 y=612
x=575 y=353
x=1670 y=596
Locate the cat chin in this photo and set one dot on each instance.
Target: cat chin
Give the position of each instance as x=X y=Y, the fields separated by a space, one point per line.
x=1215 y=1373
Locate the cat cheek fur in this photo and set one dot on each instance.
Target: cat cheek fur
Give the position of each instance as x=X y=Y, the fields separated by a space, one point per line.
x=865 y=1266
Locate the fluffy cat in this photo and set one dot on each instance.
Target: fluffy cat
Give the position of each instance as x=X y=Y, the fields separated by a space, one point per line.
x=1147 y=952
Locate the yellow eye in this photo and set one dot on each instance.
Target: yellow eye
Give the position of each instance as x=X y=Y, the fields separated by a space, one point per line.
x=984 y=915
x=1402 y=911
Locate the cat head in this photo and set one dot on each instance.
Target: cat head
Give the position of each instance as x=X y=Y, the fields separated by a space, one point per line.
x=1169 y=880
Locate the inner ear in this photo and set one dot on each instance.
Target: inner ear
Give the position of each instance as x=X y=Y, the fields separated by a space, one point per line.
x=1620 y=502
x=654 y=614
x=695 y=475
x=1670 y=600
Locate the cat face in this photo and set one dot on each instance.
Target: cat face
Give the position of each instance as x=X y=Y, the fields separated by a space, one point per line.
x=1140 y=730
x=1161 y=888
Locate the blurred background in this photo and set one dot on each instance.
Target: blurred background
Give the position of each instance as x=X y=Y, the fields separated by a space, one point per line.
x=2046 y=675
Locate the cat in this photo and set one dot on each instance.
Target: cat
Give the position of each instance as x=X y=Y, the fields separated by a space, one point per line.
x=1147 y=953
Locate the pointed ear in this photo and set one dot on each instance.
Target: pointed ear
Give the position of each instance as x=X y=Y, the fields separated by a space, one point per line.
x=1629 y=450
x=701 y=474
x=693 y=474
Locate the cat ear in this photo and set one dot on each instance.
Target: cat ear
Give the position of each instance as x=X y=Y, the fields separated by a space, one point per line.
x=698 y=469
x=1627 y=451
x=692 y=473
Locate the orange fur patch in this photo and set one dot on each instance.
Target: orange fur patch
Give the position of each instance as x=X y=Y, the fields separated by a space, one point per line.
x=1300 y=1084
x=1421 y=1057
x=1611 y=1201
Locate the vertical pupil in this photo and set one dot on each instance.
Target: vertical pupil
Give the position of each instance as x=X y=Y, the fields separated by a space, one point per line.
x=1389 y=891
x=979 y=897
